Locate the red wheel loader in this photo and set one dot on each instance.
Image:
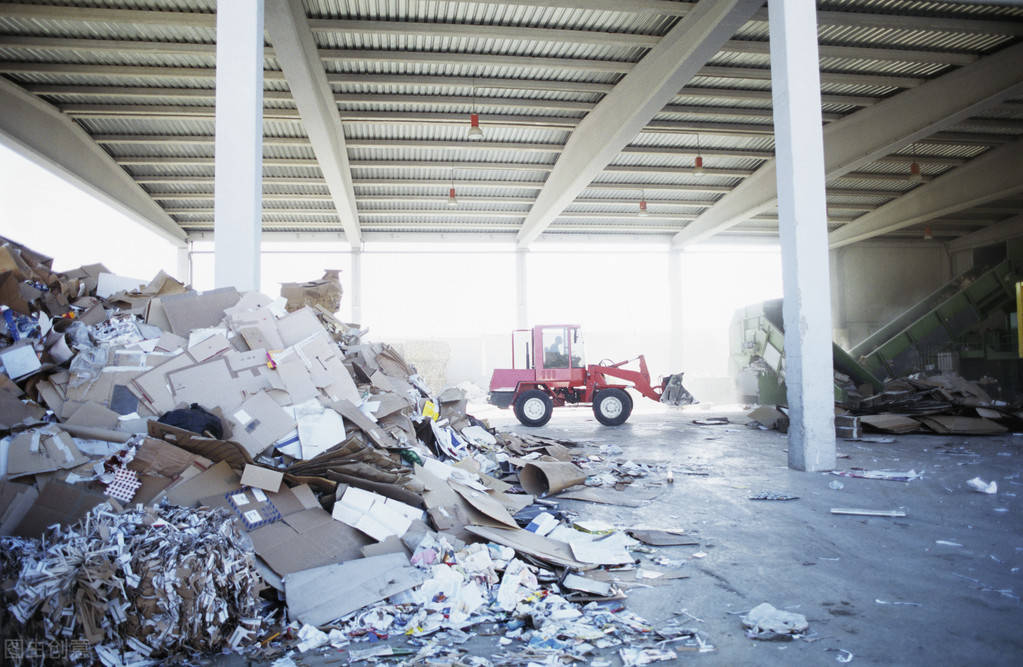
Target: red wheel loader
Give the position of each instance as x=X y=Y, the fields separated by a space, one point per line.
x=548 y=371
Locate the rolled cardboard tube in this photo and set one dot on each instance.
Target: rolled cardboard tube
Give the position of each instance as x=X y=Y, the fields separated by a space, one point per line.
x=542 y=477
x=95 y=433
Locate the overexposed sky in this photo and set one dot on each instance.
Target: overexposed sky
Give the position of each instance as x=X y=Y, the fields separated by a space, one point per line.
x=618 y=293
x=44 y=212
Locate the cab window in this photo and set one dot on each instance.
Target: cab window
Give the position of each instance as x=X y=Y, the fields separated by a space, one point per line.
x=555 y=348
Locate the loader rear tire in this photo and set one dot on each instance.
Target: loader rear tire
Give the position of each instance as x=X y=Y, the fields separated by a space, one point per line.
x=612 y=406
x=534 y=408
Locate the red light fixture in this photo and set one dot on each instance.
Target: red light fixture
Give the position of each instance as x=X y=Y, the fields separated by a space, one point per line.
x=642 y=208
x=474 y=118
x=914 y=173
x=698 y=160
x=452 y=200
x=474 y=126
x=927 y=233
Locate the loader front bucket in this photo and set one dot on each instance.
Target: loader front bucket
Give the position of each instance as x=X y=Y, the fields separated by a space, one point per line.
x=673 y=393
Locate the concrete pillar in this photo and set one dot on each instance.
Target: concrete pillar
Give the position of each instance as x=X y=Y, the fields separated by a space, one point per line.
x=675 y=301
x=356 y=295
x=802 y=216
x=521 y=289
x=184 y=273
x=239 y=144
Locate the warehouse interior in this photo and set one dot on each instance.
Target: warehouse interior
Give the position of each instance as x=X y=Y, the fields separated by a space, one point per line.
x=813 y=212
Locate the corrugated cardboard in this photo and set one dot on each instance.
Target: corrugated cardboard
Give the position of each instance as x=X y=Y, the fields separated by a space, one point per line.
x=209 y=384
x=300 y=325
x=95 y=415
x=258 y=423
x=322 y=594
x=195 y=311
x=326 y=370
x=891 y=423
x=156 y=457
x=523 y=541
x=218 y=450
x=12 y=409
x=42 y=450
x=15 y=502
x=392 y=545
x=366 y=425
x=153 y=388
x=540 y=477
x=216 y=481
x=58 y=503
x=293 y=500
x=482 y=502
x=209 y=348
x=295 y=375
x=307 y=539
x=962 y=425
x=325 y=292
x=263 y=478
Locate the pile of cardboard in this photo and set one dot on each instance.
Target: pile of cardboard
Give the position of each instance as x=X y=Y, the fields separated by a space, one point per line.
x=942 y=403
x=328 y=454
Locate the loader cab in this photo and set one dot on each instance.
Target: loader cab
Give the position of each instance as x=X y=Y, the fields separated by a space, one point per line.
x=558 y=352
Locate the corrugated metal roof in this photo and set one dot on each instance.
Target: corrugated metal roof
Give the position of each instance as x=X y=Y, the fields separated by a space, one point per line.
x=406 y=117
x=537 y=15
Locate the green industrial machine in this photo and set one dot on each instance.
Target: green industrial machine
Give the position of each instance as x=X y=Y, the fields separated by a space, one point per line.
x=758 y=356
x=968 y=325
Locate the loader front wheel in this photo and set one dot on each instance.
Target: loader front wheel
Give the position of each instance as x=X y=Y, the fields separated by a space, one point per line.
x=534 y=408
x=612 y=406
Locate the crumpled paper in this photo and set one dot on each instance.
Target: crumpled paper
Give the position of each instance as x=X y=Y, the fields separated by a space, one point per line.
x=765 y=622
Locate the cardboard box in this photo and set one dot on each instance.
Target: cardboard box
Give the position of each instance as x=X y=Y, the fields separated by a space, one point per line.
x=262 y=478
x=325 y=292
x=253 y=507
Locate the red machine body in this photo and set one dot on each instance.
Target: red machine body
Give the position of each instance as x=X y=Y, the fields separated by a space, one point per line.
x=548 y=371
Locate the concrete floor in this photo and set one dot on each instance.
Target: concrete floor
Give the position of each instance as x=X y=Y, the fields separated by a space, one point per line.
x=832 y=569
x=799 y=557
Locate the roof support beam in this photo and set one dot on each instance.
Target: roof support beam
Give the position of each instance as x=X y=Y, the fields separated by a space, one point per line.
x=992 y=176
x=996 y=233
x=295 y=47
x=870 y=134
x=623 y=112
x=43 y=134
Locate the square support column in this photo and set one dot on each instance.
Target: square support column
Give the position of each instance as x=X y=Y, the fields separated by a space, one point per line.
x=675 y=292
x=356 y=286
x=802 y=220
x=239 y=144
x=521 y=289
x=185 y=263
